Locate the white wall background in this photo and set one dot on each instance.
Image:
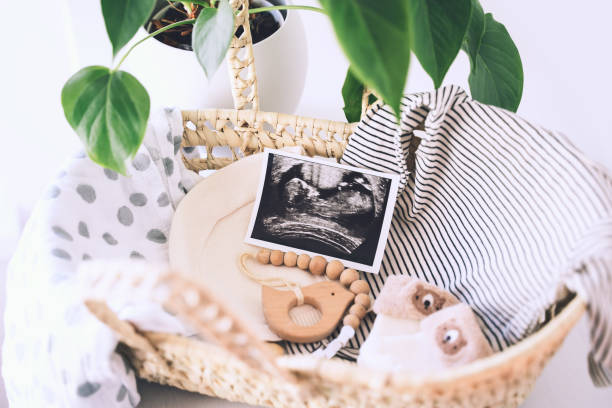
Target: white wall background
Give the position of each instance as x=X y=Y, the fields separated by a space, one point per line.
x=565 y=47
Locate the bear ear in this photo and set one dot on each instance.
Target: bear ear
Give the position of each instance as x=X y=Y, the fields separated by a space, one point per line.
x=409 y=289
x=450 y=299
x=415 y=287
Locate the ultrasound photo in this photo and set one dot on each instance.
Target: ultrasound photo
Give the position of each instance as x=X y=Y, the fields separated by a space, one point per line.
x=317 y=207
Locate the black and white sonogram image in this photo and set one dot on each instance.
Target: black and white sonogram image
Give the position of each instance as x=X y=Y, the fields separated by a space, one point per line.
x=322 y=208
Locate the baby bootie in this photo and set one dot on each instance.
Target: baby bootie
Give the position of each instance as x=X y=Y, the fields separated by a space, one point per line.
x=421 y=328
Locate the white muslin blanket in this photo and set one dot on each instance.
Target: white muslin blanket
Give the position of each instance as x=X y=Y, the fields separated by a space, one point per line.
x=56 y=354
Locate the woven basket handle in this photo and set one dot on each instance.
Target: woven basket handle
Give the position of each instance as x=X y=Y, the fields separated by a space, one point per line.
x=209 y=316
x=187 y=299
x=124 y=330
x=241 y=62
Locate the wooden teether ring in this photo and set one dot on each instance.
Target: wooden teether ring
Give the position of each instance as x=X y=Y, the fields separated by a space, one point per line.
x=331 y=298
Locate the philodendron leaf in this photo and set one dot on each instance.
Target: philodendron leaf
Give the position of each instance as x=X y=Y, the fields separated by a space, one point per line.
x=109 y=111
x=123 y=18
x=352 y=93
x=212 y=34
x=438 y=28
x=496 y=74
x=476 y=29
x=375 y=37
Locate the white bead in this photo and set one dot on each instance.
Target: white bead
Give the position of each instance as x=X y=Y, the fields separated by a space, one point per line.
x=241 y=339
x=191 y=297
x=209 y=312
x=223 y=325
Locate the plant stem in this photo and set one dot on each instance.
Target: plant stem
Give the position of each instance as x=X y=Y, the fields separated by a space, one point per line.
x=153 y=34
x=198 y=2
x=262 y=9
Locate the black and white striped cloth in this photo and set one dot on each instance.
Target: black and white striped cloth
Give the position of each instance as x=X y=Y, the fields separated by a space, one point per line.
x=499 y=211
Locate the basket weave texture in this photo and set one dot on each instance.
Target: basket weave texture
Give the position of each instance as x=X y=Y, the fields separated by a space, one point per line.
x=220 y=369
x=502 y=380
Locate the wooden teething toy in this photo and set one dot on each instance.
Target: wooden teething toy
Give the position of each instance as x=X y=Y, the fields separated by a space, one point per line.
x=343 y=290
x=329 y=297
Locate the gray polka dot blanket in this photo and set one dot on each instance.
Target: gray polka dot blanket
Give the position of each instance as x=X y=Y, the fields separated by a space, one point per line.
x=56 y=354
x=500 y=212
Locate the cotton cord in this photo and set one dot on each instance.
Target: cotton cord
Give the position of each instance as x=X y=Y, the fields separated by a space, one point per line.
x=346 y=334
x=273 y=282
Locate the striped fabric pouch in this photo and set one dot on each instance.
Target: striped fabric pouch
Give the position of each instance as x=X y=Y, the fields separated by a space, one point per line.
x=502 y=213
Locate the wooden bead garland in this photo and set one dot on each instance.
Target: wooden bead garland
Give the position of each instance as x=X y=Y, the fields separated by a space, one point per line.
x=360 y=286
x=351 y=320
x=363 y=300
x=333 y=270
x=348 y=276
x=263 y=256
x=302 y=262
x=358 y=311
x=277 y=258
x=290 y=259
x=317 y=265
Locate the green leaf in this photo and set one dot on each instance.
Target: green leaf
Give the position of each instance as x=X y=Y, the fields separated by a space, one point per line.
x=476 y=29
x=123 y=18
x=109 y=111
x=438 y=28
x=496 y=75
x=352 y=94
x=212 y=34
x=375 y=37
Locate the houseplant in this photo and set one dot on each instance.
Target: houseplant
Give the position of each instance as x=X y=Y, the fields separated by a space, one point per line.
x=279 y=47
x=109 y=108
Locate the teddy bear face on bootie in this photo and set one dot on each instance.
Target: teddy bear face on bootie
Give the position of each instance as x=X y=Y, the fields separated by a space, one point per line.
x=404 y=297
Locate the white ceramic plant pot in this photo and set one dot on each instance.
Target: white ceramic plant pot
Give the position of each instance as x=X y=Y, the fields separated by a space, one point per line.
x=173 y=77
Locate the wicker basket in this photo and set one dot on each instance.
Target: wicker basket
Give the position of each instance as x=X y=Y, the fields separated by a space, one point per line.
x=251 y=374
